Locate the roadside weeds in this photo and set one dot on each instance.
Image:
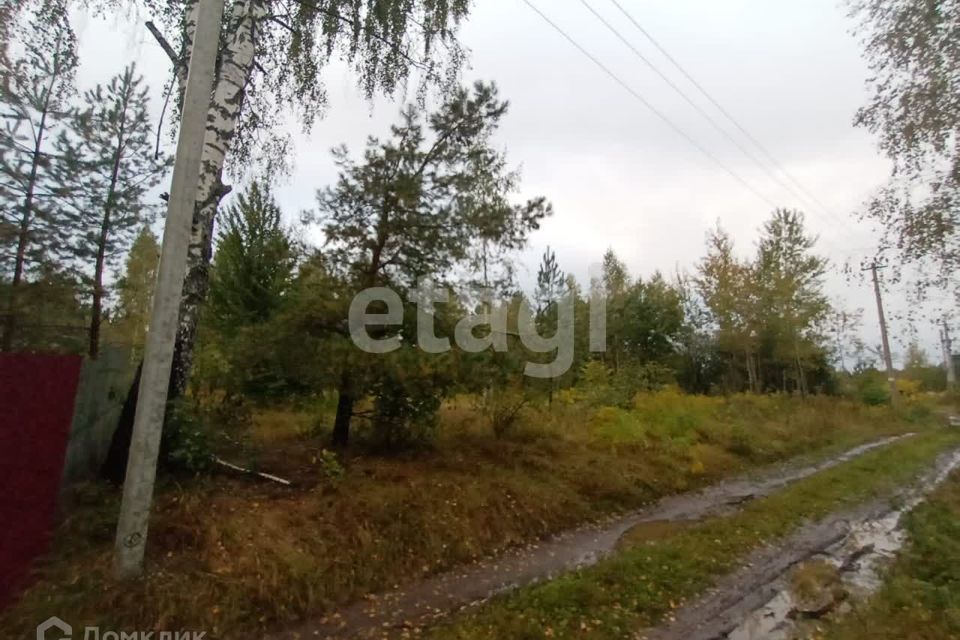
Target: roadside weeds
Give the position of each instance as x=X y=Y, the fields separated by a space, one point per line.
x=646 y=583
x=920 y=598
x=231 y=556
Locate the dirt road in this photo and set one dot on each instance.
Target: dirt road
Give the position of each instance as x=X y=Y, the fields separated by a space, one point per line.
x=847 y=549
x=418 y=605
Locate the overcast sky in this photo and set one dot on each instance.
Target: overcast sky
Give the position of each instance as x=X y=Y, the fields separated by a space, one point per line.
x=617 y=175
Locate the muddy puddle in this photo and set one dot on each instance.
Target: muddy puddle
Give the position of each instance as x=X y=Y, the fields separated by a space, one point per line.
x=651 y=532
x=406 y=610
x=819 y=571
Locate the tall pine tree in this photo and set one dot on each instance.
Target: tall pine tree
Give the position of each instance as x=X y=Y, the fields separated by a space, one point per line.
x=551 y=287
x=110 y=165
x=551 y=283
x=254 y=266
x=434 y=201
x=35 y=89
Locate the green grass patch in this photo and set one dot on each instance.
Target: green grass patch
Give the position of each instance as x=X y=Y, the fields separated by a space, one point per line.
x=641 y=585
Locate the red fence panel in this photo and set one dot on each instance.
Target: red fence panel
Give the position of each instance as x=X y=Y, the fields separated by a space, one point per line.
x=36 y=408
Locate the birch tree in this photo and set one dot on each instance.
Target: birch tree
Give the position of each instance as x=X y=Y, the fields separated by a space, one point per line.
x=914 y=111
x=270 y=62
x=615 y=280
x=792 y=306
x=272 y=53
x=726 y=284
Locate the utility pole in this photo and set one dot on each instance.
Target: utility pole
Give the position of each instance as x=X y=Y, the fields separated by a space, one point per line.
x=158 y=355
x=887 y=358
x=948 y=355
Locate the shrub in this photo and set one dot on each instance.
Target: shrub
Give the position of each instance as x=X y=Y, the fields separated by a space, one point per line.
x=404 y=413
x=329 y=465
x=742 y=442
x=605 y=387
x=874 y=395
x=617 y=425
x=595 y=382
x=569 y=396
x=502 y=409
x=670 y=414
x=186 y=441
x=908 y=388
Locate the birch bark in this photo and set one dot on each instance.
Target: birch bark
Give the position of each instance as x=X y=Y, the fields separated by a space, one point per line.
x=237 y=62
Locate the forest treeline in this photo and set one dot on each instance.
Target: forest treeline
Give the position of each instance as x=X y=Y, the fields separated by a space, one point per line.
x=434 y=199
x=431 y=201
x=275 y=326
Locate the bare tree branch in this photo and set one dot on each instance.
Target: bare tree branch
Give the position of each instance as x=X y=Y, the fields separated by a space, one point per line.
x=174 y=58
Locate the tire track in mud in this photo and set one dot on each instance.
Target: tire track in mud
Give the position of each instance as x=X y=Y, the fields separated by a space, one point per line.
x=758 y=601
x=430 y=600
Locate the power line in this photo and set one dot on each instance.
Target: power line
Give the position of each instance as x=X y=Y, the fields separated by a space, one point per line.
x=716 y=125
x=650 y=107
x=660 y=114
x=727 y=114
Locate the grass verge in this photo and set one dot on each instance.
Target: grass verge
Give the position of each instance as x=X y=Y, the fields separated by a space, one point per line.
x=230 y=555
x=641 y=585
x=921 y=597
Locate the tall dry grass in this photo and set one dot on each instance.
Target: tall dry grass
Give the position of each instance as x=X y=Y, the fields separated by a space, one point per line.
x=229 y=554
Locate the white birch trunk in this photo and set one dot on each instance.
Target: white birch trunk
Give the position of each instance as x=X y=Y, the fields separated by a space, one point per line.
x=236 y=67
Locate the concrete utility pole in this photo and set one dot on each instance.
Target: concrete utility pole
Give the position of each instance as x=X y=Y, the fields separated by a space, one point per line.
x=887 y=358
x=948 y=355
x=158 y=355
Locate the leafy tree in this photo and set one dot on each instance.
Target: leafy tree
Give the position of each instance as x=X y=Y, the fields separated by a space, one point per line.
x=699 y=368
x=917 y=367
x=791 y=300
x=430 y=202
x=614 y=284
x=845 y=325
x=111 y=168
x=653 y=320
x=726 y=285
x=770 y=313
x=914 y=110
x=916 y=357
x=270 y=62
x=644 y=319
x=135 y=289
x=35 y=89
x=271 y=59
